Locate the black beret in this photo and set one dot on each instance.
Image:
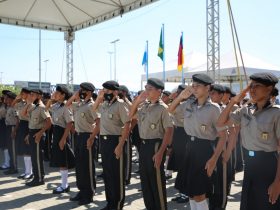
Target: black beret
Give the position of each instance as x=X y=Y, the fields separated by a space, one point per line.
x=275 y=92
x=202 y=79
x=264 y=78
x=157 y=83
x=63 y=89
x=182 y=87
x=4 y=92
x=38 y=91
x=87 y=86
x=227 y=89
x=25 y=90
x=111 y=85
x=11 y=95
x=124 y=89
x=218 y=88
x=168 y=93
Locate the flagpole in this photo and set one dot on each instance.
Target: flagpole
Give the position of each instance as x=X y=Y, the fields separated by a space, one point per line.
x=183 y=80
x=163 y=53
x=147 y=64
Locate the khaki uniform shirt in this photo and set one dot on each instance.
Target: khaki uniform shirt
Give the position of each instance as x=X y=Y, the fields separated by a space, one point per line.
x=61 y=115
x=113 y=117
x=37 y=116
x=260 y=130
x=11 y=116
x=153 y=119
x=84 y=116
x=19 y=107
x=178 y=116
x=201 y=121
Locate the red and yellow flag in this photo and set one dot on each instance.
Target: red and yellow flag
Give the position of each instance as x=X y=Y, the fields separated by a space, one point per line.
x=180 y=55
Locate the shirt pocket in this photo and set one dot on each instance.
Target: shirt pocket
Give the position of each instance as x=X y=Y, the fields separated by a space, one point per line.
x=153 y=124
x=265 y=132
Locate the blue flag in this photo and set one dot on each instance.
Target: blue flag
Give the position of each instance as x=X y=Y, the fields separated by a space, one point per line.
x=145 y=58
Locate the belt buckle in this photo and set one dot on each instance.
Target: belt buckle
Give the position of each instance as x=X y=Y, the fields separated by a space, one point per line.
x=251 y=153
x=192 y=138
x=105 y=137
x=144 y=142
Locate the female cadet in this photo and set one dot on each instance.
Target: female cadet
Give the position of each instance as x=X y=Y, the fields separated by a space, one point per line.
x=156 y=130
x=62 y=120
x=260 y=134
x=23 y=147
x=200 y=116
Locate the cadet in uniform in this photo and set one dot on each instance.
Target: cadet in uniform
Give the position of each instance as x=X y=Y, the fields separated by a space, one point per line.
x=178 y=149
x=260 y=133
x=87 y=127
x=62 y=120
x=200 y=116
x=23 y=147
x=39 y=122
x=3 y=131
x=11 y=126
x=156 y=130
x=114 y=129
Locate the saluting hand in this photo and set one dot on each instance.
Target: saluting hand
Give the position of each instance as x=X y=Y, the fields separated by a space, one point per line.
x=142 y=97
x=274 y=192
x=210 y=166
x=186 y=93
x=100 y=95
x=241 y=95
x=157 y=158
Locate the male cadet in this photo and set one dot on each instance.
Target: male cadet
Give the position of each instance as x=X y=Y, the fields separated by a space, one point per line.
x=86 y=126
x=11 y=126
x=39 y=122
x=114 y=129
x=156 y=130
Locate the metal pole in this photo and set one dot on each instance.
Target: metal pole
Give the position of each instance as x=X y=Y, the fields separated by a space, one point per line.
x=147 y=65
x=46 y=64
x=40 y=85
x=115 y=58
x=163 y=40
x=110 y=54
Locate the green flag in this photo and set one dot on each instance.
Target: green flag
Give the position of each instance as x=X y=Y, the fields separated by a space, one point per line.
x=161 y=46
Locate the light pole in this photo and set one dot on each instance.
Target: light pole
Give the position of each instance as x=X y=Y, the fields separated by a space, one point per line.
x=115 y=60
x=110 y=54
x=40 y=85
x=46 y=63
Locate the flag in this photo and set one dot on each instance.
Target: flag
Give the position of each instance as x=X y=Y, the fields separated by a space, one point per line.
x=145 y=58
x=161 y=45
x=180 y=55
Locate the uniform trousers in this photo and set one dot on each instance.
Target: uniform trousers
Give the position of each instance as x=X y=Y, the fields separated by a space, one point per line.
x=152 y=179
x=113 y=170
x=85 y=173
x=11 y=147
x=36 y=155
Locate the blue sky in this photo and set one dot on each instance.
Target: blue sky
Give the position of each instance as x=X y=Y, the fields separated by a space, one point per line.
x=257 y=24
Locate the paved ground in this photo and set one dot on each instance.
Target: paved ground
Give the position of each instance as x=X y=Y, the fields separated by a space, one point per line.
x=15 y=195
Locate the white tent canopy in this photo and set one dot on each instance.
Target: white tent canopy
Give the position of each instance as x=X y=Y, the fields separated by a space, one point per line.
x=64 y=15
x=195 y=63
